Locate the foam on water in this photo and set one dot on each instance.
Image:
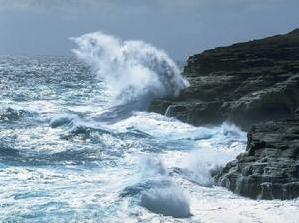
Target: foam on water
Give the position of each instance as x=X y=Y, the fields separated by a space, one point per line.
x=60 y=163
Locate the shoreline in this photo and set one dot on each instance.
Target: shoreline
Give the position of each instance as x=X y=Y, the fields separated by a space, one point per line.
x=254 y=85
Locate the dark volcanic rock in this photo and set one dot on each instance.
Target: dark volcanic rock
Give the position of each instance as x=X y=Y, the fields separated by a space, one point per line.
x=245 y=83
x=249 y=83
x=269 y=169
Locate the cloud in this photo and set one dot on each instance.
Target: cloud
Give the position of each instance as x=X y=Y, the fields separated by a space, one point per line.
x=49 y=4
x=42 y=4
x=181 y=27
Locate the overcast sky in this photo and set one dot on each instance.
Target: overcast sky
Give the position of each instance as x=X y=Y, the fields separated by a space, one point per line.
x=181 y=27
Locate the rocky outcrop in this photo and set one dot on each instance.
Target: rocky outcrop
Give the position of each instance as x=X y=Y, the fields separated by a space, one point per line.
x=269 y=169
x=248 y=84
x=245 y=83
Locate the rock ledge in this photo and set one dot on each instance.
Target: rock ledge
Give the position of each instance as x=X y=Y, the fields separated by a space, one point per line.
x=269 y=169
x=245 y=83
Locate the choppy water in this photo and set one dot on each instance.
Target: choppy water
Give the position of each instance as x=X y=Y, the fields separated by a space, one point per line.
x=60 y=163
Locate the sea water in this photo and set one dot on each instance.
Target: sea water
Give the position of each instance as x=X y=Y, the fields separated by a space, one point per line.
x=77 y=145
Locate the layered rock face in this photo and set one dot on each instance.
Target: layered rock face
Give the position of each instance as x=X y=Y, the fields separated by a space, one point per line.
x=269 y=169
x=249 y=84
x=244 y=83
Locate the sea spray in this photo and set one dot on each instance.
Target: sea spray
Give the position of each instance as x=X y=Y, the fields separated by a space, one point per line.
x=133 y=71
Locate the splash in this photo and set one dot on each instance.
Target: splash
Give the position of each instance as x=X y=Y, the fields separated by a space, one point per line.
x=169 y=202
x=134 y=71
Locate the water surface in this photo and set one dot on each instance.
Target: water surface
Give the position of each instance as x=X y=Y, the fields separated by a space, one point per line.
x=60 y=163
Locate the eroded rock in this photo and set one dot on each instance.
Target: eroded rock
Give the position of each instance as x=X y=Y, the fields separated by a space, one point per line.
x=269 y=169
x=245 y=83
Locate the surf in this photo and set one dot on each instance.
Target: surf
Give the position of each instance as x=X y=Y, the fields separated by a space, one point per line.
x=134 y=72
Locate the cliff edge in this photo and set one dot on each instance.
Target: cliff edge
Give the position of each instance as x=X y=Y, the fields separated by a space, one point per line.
x=245 y=83
x=250 y=84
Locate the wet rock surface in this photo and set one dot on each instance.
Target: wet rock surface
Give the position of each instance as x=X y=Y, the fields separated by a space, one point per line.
x=245 y=83
x=269 y=169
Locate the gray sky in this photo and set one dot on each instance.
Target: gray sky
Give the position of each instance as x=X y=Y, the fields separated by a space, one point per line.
x=181 y=27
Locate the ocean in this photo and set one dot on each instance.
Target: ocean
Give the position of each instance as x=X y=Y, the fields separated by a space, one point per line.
x=77 y=144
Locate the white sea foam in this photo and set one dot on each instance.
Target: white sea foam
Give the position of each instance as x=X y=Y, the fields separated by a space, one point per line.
x=84 y=170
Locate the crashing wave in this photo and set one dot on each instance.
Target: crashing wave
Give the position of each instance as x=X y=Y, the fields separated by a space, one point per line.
x=133 y=71
x=167 y=201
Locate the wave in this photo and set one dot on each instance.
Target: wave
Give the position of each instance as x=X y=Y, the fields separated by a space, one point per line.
x=61 y=120
x=134 y=72
x=157 y=191
x=169 y=202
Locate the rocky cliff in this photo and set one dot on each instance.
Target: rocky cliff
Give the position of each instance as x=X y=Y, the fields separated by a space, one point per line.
x=269 y=169
x=248 y=84
x=245 y=83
